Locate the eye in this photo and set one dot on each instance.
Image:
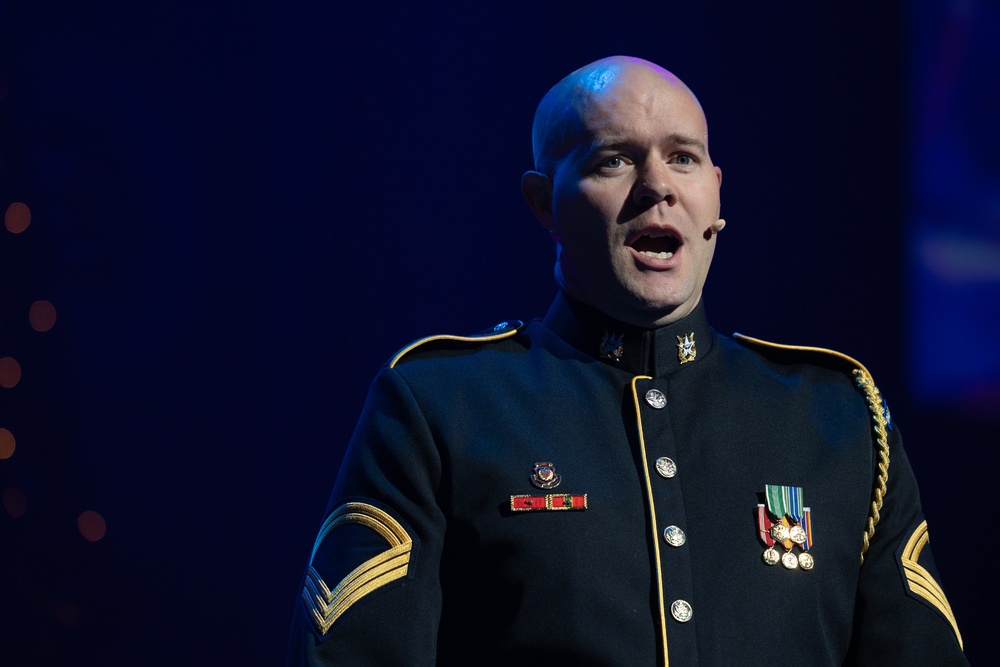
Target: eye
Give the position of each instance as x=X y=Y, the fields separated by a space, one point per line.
x=684 y=160
x=615 y=162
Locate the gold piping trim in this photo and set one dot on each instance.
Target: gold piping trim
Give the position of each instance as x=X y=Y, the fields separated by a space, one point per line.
x=652 y=517
x=464 y=339
x=803 y=348
x=326 y=605
x=863 y=379
x=921 y=582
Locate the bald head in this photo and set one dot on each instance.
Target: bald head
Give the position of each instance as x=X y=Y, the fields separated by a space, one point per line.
x=625 y=186
x=558 y=118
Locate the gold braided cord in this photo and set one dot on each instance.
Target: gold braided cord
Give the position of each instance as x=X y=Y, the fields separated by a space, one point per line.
x=874 y=399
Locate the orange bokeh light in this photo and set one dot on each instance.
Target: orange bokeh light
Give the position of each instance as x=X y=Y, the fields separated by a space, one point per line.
x=7 y=444
x=42 y=315
x=15 y=502
x=17 y=218
x=91 y=526
x=10 y=372
x=64 y=612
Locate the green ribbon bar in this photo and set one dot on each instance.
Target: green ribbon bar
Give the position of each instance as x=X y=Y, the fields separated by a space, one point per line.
x=778 y=500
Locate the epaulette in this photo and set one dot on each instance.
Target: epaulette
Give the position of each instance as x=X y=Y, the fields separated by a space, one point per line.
x=877 y=407
x=503 y=330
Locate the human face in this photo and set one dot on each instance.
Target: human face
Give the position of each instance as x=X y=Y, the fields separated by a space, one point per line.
x=633 y=205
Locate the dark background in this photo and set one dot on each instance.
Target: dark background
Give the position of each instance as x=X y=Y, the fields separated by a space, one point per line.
x=241 y=209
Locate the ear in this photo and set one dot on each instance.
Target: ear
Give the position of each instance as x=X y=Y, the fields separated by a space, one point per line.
x=537 y=190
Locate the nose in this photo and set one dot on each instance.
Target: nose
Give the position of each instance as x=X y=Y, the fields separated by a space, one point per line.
x=655 y=184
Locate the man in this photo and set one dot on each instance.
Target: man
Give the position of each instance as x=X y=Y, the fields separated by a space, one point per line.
x=617 y=484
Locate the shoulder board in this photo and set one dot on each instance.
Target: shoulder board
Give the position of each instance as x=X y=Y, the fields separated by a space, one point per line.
x=791 y=350
x=499 y=332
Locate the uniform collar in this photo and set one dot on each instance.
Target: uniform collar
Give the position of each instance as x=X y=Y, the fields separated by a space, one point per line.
x=633 y=349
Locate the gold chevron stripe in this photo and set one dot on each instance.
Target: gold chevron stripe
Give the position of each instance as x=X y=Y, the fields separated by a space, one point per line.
x=326 y=605
x=921 y=582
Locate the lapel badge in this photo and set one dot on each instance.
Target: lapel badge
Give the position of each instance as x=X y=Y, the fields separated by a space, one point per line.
x=784 y=522
x=545 y=476
x=612 y=346
x=685 y=348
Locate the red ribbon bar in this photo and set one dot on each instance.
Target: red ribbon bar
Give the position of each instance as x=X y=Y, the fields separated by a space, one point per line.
x=553 y=501
x=764 y=526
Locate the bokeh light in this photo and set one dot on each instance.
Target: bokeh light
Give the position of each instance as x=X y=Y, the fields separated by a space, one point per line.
x=15 y=502
x=10 y=372
x=17 y=218
x=91 y=526
x=7 y=444
x=64 y=612
x=42 y=315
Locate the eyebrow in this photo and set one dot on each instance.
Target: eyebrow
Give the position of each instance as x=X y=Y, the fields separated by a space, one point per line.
x=683 y=140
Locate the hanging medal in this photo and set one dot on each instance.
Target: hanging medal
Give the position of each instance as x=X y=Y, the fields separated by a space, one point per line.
x=805 y=558
x=771 y=555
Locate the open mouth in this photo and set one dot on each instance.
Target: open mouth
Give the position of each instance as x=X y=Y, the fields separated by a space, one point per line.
x=656 y=244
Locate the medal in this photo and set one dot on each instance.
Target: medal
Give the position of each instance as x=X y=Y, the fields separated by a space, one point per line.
x=783 y=520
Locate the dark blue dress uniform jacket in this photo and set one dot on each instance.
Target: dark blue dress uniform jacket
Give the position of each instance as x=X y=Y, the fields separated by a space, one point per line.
x=422 y=561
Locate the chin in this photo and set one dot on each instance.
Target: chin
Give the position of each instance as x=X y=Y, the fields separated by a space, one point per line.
x=660 y=301
x=664 y=310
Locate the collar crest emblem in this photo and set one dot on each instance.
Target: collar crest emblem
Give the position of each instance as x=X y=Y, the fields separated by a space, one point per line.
x=686 y=350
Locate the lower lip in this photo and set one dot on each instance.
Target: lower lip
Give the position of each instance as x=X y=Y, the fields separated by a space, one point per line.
x=655 y=263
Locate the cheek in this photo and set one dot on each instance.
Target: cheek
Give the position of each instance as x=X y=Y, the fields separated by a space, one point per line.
x=584 y=221
x=710 y=195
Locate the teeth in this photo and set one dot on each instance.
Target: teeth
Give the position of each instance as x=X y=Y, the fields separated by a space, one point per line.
x=657 y=255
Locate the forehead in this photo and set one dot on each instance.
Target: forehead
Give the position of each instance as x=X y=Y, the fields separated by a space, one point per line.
x=639 y=104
